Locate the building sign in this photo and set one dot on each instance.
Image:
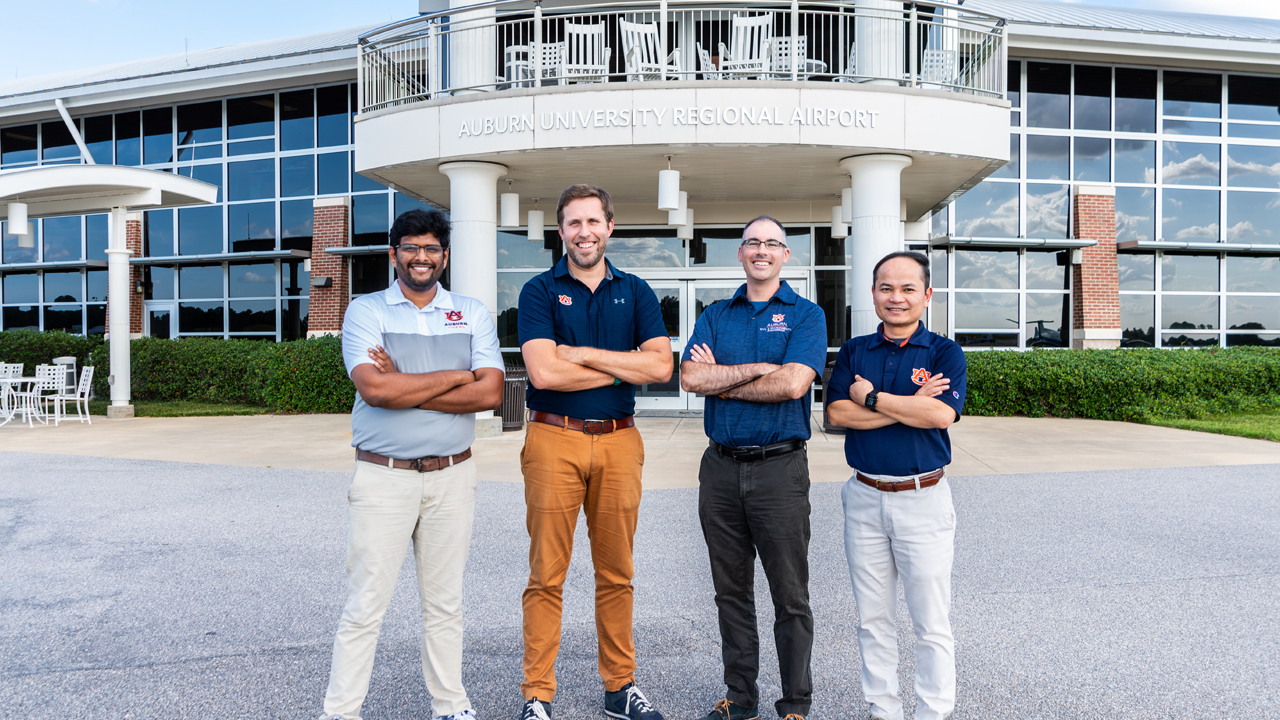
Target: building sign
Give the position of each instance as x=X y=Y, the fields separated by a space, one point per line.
x=668 y=117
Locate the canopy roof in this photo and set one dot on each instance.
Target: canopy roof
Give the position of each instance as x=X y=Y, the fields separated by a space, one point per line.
x=77 y=189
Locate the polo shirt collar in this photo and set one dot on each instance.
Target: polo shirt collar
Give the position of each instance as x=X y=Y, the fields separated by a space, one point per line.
x=562 y=268
x=921 y=337
x=443 y=299
x=784 y=294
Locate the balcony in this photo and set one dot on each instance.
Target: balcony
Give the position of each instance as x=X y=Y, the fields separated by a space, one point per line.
x=504 y=46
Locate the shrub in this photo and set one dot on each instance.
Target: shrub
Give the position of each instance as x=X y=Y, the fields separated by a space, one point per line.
x=207 y=369
x=308 y=376
x=32 y=348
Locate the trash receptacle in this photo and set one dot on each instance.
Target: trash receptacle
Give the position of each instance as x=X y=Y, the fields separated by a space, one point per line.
x=513 y=390
x=68 y=363
x=827 y=427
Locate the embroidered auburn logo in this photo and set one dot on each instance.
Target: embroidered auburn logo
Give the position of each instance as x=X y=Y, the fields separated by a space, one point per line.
x=778 y=318
x=920 y=376
x=453 y=315
x=566 y=300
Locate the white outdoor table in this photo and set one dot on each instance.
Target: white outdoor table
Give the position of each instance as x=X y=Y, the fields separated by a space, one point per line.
x=8 y=406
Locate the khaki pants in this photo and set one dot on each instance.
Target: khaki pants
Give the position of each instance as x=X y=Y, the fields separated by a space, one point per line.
x=388 y=508
x=563 y=471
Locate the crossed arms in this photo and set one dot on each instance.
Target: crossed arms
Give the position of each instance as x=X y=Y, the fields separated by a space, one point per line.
x=381 y=385
x=567 y=368
x=920 y=410
x=753 y=382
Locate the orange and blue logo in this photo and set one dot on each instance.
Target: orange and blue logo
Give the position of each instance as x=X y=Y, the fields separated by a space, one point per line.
x=453 y=315
x=566 y=300
x=778 y=318
x=920 y=376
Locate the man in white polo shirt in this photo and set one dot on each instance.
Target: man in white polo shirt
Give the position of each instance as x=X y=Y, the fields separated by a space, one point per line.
x=423 y=361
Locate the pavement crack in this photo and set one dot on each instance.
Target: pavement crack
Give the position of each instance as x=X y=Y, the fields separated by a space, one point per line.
x=272 y=652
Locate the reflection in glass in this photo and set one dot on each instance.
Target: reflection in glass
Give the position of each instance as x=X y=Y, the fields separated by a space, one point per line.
x=200 y=281
x=1260 y=132
x=939 y=277
x=95 y=319
x=1190 y=163
x=1015 y=83
x=129 y=138
x=18 y=144
x=1253 y=312
x=98 y=138
x=1185 y=340
x=203 y=317
x=1012 y=168
x=1092 y=159
x=293 y=321
x=252 y=226
x=360 y=183
x=297 y=126
x=251 y=180
x=200 y=230
x=1135 y=100
x=1138 y=320
x=987 y=340
x=159 y=282
x=1189 y=94
x=1251 y=340
x=1137 y=272
x=251 y=117
x=296 y=219
x=252 y=316
x=988 y=210
x=509 y=286
x=160 y=324
x=1253 y=98
x=1047 y=210
x=938 y=223
x=938 y=314
x=331 y=173
x=1047 y=157
x=62 y=286
x=404 y=203
x=211 y=174
x=96 y=281
x=1252 y=273
x=1047 y=270
x=1253 y=217
x=372 y=273
x=62 y=238
x=95 y=229
x=516 y=251
x=1190 y=215
x=670 y=388
x=829 y=250
x=994 y=269
x=1253 y=166
x=1189 y=312
x=643 y=248
x=295 y=280
x=331 y=112
x=12 y=252
x=1135 y=214
x=67 y=319
x=834 y=296
x=157 y=233
x=1135 y=161
x=369 y=220
x=157 y=135
x=21 y=288
x=1093 y=97
x=250 y=147
x=297 y=176
x=1048 y=90
x=1189 y=127
x=22 y=317
x=721 y=245
x=705 y=297
x=1047 y=316
x=56 y=142
x=985 y=310
x=1189 y=273
x=252 y=280
x=200 y=123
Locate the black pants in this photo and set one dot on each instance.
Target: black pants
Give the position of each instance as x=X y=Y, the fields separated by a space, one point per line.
x=763 y=507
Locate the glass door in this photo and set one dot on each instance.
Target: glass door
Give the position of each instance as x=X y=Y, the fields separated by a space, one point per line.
x=161 y=319
x=668 y=395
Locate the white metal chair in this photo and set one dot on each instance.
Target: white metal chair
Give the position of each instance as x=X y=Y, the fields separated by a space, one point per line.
x=79 y=397
x=585 y=57
x=706 y=66
x=748 y=51
x=939 y=66
x=11 y=369
x=642 y=48
x=780 y=49
x=518 y=64
x=49 y=379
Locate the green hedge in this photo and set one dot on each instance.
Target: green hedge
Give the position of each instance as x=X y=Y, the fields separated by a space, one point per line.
x=32 y=348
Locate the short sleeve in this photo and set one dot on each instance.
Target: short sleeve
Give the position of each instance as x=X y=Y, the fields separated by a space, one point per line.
x=841 y=374
x=649 y=323
x=484 y=341
x=535 y=321
x=808 y=342
x=952 y=364
x=361 y=331
x=703 y=333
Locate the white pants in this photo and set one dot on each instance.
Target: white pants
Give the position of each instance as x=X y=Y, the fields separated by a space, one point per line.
x=387 y=509
x=912 y=534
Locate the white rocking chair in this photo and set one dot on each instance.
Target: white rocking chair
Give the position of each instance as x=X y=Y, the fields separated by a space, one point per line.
x=748 y=51
x=586 y=56
x=641 y=47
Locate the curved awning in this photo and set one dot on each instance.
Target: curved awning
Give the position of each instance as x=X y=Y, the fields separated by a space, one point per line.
x=77 y=189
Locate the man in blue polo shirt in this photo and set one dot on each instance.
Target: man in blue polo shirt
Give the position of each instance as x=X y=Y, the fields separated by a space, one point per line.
x=755 y=357
x=589 y=334
x=898 y=390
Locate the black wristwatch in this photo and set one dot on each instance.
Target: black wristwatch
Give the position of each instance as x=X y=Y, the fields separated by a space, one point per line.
x=870 y=400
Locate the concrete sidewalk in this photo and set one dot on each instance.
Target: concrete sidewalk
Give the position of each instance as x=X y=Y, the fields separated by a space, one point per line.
x=982 y=445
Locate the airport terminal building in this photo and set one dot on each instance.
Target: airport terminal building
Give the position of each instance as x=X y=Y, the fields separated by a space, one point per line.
x=1080 y=176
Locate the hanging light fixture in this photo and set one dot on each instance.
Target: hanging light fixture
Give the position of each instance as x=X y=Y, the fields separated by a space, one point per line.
x=535 y=222
x=846 y=204
x=26 y=235
x=17 y=216
x=668 y=188
x=838 y=228
x=685 y=232
x=509 y=216
x=677 y=217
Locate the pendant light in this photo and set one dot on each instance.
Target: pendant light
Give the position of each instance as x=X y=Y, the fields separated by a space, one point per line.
x=677 y=217
x=509 y=216
x=669 y=188
x=535 y=222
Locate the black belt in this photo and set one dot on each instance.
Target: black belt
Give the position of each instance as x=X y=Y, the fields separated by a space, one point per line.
x=752 y=453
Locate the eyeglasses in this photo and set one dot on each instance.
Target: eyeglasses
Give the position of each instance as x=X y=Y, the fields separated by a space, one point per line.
x=754 y=244
x=413 y=250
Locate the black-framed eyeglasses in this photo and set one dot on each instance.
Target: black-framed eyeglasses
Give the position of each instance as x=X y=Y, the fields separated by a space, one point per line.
x=754 y=244
x=413 y=250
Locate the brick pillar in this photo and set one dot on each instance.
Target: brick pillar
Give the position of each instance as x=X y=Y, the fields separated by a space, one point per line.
x=331 y=223
x=1096 y=295
x=133 y=241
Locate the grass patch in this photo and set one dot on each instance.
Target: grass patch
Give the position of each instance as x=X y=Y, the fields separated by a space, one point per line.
x=1259 y=426
x=180 y=408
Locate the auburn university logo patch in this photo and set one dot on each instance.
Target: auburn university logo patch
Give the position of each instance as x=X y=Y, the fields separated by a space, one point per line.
x=778 y=318
x=453 y=315
x=566 y=300
x=920 y=376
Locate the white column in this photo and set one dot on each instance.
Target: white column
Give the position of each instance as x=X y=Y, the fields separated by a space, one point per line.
x=473 y=47
x=876 y=229
x=878 y=47
x=119 y=295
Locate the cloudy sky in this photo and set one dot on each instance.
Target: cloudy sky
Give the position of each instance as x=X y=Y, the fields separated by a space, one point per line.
x=57 y=35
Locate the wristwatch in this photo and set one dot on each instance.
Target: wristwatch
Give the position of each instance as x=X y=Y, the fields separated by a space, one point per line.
x=870 y=400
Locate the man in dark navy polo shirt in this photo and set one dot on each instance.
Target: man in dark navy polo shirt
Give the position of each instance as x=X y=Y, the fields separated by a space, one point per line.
x=898 y=390
x=755 y=357
x=589 y=335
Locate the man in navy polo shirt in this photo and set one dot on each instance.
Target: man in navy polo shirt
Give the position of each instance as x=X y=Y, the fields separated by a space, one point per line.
x=589 y=334
x=898 y=390
x=755 y=357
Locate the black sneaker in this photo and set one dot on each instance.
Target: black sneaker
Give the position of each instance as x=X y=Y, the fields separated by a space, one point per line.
x=536 y=709
x=629 y=704
x=725 y=710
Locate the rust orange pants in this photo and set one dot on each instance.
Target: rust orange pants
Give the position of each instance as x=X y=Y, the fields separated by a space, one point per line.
x=565 y=470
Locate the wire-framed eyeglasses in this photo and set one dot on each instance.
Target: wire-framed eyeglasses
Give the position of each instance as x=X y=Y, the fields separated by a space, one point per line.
x=412 y=250
x=754 y=244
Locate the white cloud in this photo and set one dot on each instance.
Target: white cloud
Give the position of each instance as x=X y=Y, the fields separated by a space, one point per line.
x=1198 y=167
x=1207 y=233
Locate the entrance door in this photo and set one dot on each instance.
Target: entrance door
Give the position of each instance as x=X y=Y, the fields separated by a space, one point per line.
x=161 y=319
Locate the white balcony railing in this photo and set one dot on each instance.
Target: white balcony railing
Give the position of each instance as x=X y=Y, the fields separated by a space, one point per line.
x=498 y=46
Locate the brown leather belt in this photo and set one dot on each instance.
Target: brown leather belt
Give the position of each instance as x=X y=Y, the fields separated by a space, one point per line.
x=926 y=480
x=590 y=427
x=424 y=464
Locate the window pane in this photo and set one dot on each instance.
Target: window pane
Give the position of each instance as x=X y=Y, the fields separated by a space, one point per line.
x=1189 y=272
x=15 y=254
x=250 y=117
x=938 y=268
x=829 y=250
x=204 y=317
x=987 y=340
x=997 y=269
x=988 y=210
x=1253 y=217
x=96 y=236
x=157 y=233
x=62 y=239
x=293 y=323
x=371 y=273
x=1047 y=317
x=200 y=123
x=297 y=120
x=1253 y=166
x=1136 y=272
x=56 y=142
x=295 y=281
x=1048 y=89
x=252 y=280
x=1189 y=312
x=1191 y=94
x=645 y=248
x=1245 y=312
x=18 y=144
x=253 y=316
x=1093 y=159
x=360 y=183
x=160 y=282
x=21 y=288
x=1189 y=127
x=95 y=319
x=200 y=230
x=1135 y=100
x=405 y=203
x=509 y=286
x=369 y=220
x=97 y=138
x=1015 y=83
x=1047 y=157
x=1190 y=164
x=515 y=250
x=1138 y=320
x=1253 y=274
x=22 y=317
x=96 y=280
x=1047 y=270
x=1189 y=340
x=1135 y=161
x=331 y=109
x=1012 y=168
x=1190 y=215
x=67 y=319
x=252 y=226
x=1093 y=97
x=297 y=176
x=720 y=247
x=251 y=180
x=211 y=174
x=1261 y=132
x=938 y=314
x=157 y=131
x=1047 y=210
x=986 y=311
x=296 y=218
x=200 y=281
x=1250 y=340
x=62 y=287
x=834 y=297
x=1135 y=214
x=129 y=138
x=251 y=147
x=331 y=173
x=1253 y=98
